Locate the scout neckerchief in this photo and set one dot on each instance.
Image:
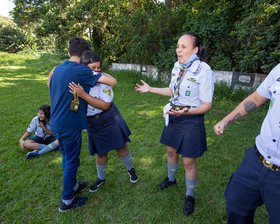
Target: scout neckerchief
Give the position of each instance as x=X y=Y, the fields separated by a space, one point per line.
x=183 y=68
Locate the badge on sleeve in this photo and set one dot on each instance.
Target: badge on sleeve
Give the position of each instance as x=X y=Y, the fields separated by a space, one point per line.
x=187 y=93
x=107 y=91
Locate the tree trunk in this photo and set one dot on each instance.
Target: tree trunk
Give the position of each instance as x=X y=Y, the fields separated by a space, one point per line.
x=168 y=3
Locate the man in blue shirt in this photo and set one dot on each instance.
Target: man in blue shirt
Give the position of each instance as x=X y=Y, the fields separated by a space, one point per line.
x=257 y=180
x=67 y=124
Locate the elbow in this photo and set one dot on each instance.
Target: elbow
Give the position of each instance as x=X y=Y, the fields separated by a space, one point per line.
x=107 y=106
x=207 y=107
x=114 y=82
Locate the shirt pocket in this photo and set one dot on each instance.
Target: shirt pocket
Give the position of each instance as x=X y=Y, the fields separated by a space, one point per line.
x=190 y=89
x=275 y=96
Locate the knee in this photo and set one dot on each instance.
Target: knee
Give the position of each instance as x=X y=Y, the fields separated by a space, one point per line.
x=189 y=166
x=123 y=152
x=101 y=160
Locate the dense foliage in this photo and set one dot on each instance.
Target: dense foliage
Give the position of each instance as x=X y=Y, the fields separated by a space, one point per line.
x=239 y=35
x=12 y=38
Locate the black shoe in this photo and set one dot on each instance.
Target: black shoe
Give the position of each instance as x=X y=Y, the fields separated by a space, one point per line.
x=82 y=186
x=77 y=202
x=189 y=205
x=32 y=154
x=166 y=183
x=132 y=175
x=96 y=185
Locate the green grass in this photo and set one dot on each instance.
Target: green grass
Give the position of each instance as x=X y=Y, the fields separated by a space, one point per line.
x=31 y=189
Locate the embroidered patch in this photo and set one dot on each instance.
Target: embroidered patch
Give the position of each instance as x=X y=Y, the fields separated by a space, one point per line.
x=271 y=104
x=107 y=91
x=192 y=79
x=278 y=80
x=187 y=93
x=197 y=71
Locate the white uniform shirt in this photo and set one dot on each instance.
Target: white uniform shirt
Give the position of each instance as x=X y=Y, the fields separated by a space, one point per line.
x=100 y=91
x=33 y=126
x=268 y=141
x=197 y=84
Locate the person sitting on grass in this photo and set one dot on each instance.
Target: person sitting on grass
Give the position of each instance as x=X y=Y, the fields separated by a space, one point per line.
x=107 y=129
x=43 y=141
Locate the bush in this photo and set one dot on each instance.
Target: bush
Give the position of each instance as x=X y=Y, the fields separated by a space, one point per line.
x=12 y=39
x=223 y=92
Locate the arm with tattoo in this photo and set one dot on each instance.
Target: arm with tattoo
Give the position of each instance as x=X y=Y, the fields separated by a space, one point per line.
x=245 y=107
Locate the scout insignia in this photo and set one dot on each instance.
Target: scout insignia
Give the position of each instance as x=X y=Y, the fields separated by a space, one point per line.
x=278 y=80
x=192 y=79
x=187 y=93
x=270 y=104
x=107 y=91
x=197 y=71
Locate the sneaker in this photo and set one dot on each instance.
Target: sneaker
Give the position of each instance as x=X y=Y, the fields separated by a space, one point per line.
x=32 y=154
x=96 y=185
x=81 y=187
x=166 y=182
x=132 y=175
x=189 y=205
x=77 y=202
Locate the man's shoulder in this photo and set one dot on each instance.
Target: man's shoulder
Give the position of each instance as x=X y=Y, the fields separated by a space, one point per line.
x=72 y=65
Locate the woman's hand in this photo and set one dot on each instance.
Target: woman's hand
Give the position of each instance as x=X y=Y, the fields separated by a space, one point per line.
x=220 y=127
x=145 y=88
x=184 y=111
x=40 y=125
x=78 y=88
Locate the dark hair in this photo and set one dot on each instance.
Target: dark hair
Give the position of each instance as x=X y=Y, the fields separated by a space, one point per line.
x=198 y=43
x=46 y=110
x=89 y=57
x=77 y=46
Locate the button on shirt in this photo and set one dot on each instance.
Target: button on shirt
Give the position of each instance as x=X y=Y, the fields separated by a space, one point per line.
x=268 y=141
x=197 y=84
x=39 y=131
x=100 y=91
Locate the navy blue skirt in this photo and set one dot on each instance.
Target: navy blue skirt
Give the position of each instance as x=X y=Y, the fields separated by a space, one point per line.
x=107 y=131
x=186 y=134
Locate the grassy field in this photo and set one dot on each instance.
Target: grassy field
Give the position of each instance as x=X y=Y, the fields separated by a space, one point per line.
x=31 y=189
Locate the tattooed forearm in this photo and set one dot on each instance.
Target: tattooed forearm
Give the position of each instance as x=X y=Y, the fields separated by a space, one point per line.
x=236 y=117
x=249 y=106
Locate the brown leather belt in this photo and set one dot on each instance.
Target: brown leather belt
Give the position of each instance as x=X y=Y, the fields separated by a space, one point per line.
x=266 y=163
x=177 y=108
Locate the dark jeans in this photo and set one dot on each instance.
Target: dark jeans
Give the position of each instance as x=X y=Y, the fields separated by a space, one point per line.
x=70 y=142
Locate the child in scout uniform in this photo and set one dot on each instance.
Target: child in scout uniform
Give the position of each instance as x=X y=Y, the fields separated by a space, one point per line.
x=107 y=129
x=43 y=141
x=191 y=91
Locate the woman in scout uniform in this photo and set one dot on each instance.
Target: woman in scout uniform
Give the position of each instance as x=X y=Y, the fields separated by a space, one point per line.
x=107 y=129
x=191 y=90
x=43 y=141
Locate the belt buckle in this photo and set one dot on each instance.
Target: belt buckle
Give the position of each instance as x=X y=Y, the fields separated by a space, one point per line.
x=177 y=108
x=267 y=164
